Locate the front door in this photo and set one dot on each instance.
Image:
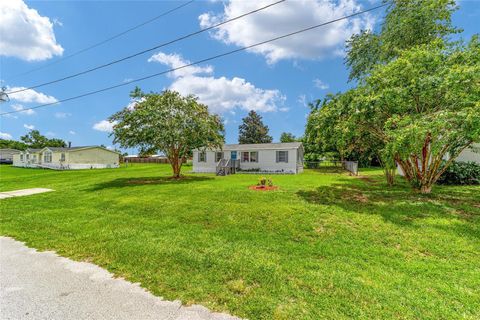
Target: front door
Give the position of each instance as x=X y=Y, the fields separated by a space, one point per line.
x=233 y=155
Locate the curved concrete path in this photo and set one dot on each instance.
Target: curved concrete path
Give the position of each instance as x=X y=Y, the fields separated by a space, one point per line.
x=42 y=285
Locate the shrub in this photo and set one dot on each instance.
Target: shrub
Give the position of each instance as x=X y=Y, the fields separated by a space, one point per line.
x=461 y=173
x=265 y=182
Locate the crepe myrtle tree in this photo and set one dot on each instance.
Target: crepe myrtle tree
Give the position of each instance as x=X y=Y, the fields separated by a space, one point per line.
x=428 y=101
x=167 y=122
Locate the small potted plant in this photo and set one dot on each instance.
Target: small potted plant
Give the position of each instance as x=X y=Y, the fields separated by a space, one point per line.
x=262 y=182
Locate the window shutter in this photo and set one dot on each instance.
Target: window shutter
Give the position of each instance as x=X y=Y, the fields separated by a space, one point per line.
x=286 y=156
x=276 y=156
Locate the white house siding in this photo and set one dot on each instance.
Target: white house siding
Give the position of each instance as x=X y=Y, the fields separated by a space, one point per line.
x=267 y=161
x=267 y=158
x=93 y=158
x=16 y=161
x=205 y=167
x=470 y=155
x=78 y=158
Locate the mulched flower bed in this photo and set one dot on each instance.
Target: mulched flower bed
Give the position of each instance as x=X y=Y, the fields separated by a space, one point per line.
x=263 y=188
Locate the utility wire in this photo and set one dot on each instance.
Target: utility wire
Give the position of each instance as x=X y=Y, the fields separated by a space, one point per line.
x=202 y=60
x=104 y=41
x=146 y=50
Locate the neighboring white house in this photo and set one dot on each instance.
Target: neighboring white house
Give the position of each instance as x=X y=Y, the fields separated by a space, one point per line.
x=263 y=157
x=90 y=157
x=6 y=155
x=471 y=154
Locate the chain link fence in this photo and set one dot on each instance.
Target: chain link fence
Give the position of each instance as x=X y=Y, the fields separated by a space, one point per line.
x=350 y=166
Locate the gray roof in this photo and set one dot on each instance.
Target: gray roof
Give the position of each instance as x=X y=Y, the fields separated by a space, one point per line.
x=59 y=149
x=10 y=150
x=71 y=148
x=262 y=146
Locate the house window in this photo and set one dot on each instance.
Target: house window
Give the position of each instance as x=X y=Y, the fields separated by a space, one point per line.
x=47 y=157
x=62 y=157
x=282 y=156
x=28 y=157
x=34 y=158
x=245 y=157
x=202 y=156
x=218 y=156
x=250 y=156
x=21 y=157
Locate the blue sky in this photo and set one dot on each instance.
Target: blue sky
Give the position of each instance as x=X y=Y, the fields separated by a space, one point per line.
x=277 y=80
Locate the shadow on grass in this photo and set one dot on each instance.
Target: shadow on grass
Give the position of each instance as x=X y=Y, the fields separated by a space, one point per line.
x=142 y=181
x=400 y=205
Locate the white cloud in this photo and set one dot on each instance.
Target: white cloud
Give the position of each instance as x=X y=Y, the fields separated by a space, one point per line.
x=57 y=22
x=175 y=60
x=104 y=126
x=62 y=115
x=72 y=132
x=20 y=108
x=285 y=18
x=30 y=95
x=29 y=126
x=220 y=94
x=302 y=99
x=320 y=84
x=6 y=136
x=25 y=34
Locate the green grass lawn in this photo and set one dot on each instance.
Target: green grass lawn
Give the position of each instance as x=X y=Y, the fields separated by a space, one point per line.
x=325 y=245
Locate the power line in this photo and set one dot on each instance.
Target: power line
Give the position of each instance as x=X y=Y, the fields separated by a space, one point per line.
x=202 y=60
x=105 y=41
x=146 y=50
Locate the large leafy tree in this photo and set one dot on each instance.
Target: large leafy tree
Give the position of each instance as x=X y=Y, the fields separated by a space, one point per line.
x=332 y=126
x=407 y=23
x=253 y=130
x=167 y=122
x=287 y=137
x=34 y=139
x=12 y=144
x=426 y=106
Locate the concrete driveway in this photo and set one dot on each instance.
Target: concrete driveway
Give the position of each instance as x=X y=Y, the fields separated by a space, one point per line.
x=42 y=285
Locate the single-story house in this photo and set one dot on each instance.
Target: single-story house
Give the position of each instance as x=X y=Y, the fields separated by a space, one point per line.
x=6 y=155
x=471 y=154
x=89 y=157
x=263 y=157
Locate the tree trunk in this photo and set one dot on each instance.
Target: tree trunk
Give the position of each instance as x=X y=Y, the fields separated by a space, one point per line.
x=390 y=176
x=174 y=160
x=389 y=172
x=426 y=189
x=176 y=167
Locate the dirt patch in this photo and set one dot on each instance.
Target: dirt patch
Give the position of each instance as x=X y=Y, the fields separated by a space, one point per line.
x=263 y=188
x=367 y=179
x=359 y=197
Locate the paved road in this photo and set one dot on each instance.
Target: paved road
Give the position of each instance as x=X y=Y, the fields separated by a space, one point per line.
x=42 y=285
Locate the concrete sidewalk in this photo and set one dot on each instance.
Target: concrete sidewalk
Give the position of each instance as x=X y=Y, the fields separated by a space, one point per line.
x=23 y=192
x=42 y=285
